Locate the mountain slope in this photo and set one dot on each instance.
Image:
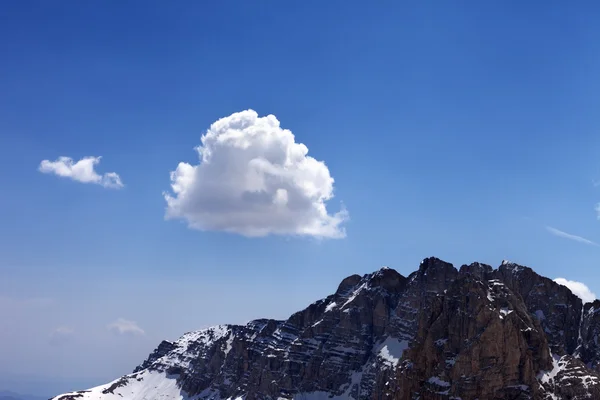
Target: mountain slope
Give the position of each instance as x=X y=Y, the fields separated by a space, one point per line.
x=440 y=333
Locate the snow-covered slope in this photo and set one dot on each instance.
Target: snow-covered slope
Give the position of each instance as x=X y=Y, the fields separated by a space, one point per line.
x=437 y=334
x=138 y=386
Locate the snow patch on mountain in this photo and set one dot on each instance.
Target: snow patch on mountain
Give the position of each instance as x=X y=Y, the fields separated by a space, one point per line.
x=391 y=350
x=557 y=366
x=141 y=386
x=330 y=306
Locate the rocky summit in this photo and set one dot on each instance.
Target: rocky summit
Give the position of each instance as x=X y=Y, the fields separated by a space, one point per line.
x=440 y=333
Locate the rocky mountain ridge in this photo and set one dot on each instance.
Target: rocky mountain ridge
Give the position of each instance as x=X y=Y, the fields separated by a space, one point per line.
x=440 y=333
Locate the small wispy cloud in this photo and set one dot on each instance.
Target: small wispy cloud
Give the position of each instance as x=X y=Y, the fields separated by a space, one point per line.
x=81 y=171
x=124 y=326
x=61 y=335
x=597 y=208
x=565 y=235
x=579 y=289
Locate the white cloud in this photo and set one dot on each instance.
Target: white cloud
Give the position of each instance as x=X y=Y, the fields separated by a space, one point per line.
x=559 y=233
x=62 y=335
x=578 y=288
x=125 y=327
x=255 y=180
x=597 y=208
x=81 y=171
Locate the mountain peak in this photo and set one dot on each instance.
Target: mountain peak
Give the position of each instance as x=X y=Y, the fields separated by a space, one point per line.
x=515 y=268
x=387 y=278
x=476 y=269
x=348 y=283
x=433 y=264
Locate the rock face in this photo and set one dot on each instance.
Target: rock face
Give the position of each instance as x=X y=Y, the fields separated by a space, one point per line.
x=440 y=333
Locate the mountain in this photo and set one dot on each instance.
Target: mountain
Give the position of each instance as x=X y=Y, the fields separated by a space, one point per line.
x=440 y=333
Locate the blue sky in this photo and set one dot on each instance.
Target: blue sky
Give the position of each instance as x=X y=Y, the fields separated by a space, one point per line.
x=466 y=131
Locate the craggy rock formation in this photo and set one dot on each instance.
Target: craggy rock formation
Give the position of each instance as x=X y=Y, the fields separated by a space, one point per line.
x=440 y=333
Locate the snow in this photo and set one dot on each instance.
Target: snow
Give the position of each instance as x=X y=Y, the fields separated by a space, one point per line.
x=515 y=268
x=354 y=294
x=182 y=355
x=557 y=366
x=330 y=306
x=228 y=345
x=580 y=336
x=391 y=349
x=157 y=385
x=205 y=336
x=504 y=312
x=141 y=386
x=568 y=372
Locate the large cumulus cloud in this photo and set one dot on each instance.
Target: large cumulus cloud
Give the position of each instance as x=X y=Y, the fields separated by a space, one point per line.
x=255 y=180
